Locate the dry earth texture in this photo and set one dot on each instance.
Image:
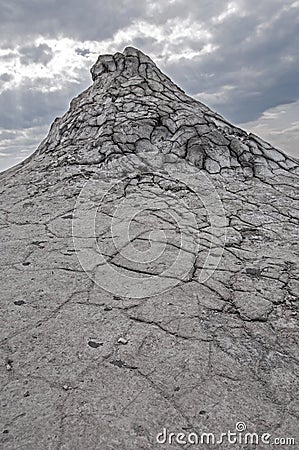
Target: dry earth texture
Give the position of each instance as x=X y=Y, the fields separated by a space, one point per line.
x=148 y=262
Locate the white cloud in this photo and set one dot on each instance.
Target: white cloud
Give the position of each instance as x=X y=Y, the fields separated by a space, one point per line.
x=277 y=126
x=63 y=67
x=231 y=9
x=16 y=145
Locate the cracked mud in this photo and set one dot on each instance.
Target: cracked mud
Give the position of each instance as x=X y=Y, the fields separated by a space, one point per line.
x=87 y=367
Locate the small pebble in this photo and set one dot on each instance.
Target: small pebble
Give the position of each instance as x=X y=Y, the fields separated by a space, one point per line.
x=9 y=364
x=118 y=363
x=108 y=308
x=253 y=271
x=94 y=344
x=19 y=302
x=122 y=340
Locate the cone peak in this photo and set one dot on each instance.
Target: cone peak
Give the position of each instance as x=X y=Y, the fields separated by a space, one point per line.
x=130 y=62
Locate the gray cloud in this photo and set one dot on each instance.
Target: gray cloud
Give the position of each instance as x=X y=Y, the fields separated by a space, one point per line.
x=25 y=107
x=199 y=10
x=261 y=66
x=83 y=51
x=91 y=20
x=41 y=53
x=5 y=77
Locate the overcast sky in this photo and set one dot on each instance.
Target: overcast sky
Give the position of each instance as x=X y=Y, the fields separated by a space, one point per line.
x=239 y=57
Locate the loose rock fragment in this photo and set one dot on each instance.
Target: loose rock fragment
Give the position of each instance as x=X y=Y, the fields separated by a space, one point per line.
x=19 y=302
x=95 y=344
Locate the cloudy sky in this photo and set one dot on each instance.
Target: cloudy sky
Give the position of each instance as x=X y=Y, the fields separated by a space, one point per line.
x=239 y=57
